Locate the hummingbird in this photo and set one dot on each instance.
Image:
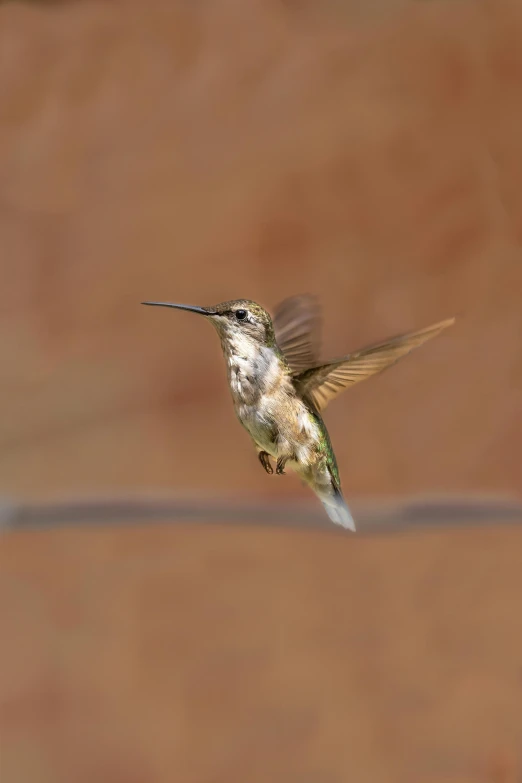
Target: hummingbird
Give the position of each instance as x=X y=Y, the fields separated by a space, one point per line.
x=280 y=387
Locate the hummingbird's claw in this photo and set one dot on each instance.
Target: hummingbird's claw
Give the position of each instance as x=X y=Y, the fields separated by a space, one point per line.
x=280 y=467
x=264 y=459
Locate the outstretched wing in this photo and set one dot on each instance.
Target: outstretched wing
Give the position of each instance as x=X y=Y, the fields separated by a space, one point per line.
x=324 y=382
x=297 y=327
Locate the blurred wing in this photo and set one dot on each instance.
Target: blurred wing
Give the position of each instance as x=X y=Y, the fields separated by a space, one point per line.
x=323 y=383
x=297 y=327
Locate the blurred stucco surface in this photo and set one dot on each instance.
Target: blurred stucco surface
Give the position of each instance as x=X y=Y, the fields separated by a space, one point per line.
x=369 y=153
x=166 y=654
x=205 y=151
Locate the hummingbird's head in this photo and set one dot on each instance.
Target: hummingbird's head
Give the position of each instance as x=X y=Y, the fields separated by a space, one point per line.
x=237 y=322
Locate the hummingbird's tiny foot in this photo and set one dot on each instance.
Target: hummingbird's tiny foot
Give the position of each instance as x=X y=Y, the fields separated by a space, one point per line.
x=280 y=468
x=264 y=459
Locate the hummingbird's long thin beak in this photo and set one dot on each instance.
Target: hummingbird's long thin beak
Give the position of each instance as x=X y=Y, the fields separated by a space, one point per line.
x=192 y=308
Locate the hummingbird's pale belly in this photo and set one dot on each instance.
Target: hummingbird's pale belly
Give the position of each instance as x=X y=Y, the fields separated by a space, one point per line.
x=268 y=407
x=282 y=429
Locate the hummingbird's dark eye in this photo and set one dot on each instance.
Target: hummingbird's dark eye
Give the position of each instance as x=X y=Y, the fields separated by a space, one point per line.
x=241 y=315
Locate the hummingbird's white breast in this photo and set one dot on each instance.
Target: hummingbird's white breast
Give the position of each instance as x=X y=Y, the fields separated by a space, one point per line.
x=265 y=399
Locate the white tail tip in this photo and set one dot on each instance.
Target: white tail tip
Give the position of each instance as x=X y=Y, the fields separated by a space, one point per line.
x=339 y=513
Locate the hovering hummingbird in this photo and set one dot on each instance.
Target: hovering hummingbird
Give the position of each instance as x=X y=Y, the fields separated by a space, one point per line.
x=280 y=388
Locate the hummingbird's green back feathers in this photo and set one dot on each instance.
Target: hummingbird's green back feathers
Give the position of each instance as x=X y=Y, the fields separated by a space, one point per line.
x=324 y=445
x=323 y=382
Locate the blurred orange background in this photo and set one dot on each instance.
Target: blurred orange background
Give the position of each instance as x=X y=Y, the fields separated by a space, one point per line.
x=369 y=153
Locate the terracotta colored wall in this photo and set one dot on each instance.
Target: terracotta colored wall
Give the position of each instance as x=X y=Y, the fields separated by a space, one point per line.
x=367 y=152
x=258 y=149
x=215 y=654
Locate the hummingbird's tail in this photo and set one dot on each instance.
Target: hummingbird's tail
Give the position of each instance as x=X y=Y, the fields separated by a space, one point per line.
x=337 y=509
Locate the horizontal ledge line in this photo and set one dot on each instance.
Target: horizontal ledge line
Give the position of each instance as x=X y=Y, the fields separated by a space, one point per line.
x=381 y=516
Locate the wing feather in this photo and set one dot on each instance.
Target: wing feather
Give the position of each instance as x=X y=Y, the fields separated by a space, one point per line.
x=297 y=328
x=322 y=383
